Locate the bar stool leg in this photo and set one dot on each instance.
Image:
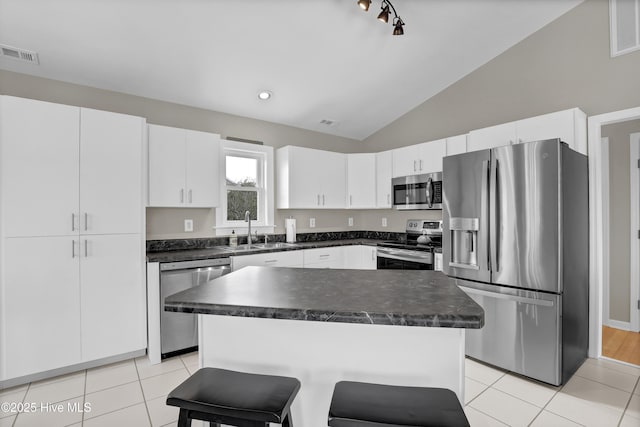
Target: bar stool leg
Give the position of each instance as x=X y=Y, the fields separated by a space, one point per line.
x=183 y=419
x=286 y=421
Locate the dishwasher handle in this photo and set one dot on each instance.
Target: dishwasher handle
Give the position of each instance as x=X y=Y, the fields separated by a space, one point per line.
x=201 y=263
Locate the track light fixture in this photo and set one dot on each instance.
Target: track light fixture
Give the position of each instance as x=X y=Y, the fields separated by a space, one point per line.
x=385 y=7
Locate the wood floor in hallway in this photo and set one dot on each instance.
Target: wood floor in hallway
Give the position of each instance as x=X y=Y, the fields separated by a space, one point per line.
x=621 y=345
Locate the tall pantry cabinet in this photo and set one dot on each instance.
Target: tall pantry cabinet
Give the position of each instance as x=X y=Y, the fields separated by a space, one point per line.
x=72 y=243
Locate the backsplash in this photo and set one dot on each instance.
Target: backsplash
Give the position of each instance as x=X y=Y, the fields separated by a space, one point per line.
x=204 y=243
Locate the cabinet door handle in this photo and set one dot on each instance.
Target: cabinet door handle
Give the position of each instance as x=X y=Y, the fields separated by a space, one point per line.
x=190 y=196
x=420 y=164
x=388 y=199
x=73 y=249
x=325 y=255
x=73 y=221
x=350 y=200
x=86 y=249
x=86 y=221
x=323 y=200
x=270 y=261
x=318 y=200
x=182 y=195
x=414 y=165
x=373 y=255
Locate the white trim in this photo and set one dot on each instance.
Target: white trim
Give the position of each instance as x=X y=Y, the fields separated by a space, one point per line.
x=617 y=324
x=613 y=30
x=634 y=250
x=596 y=226
x=266 y=225
x=606 y=260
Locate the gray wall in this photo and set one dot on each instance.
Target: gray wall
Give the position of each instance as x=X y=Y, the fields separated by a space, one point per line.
x=565 y=64
x=619 y=217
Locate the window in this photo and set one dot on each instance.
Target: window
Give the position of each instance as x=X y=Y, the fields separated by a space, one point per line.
x=246 y=185
x=624 y=17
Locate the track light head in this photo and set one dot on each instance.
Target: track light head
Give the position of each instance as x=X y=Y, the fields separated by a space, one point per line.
x=397 y=22
x=364 y=4
x=384 y=15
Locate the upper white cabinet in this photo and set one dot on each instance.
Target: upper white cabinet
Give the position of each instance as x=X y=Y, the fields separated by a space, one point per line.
x=361 y=176
x=310 y=179
x=384 y=174
x=456 y=145
x=40 y=167
x=183 y=167
x=568 y=125
x=419 y=158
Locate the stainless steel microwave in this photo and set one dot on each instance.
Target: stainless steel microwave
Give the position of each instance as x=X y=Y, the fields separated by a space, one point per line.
x=418 y=191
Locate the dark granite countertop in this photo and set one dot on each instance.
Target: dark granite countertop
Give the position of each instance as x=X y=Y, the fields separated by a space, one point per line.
x=226 y=251
x=381 y=297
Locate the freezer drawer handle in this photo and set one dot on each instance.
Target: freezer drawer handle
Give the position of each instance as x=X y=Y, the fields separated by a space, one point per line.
x=467 y=266
x=532 y=301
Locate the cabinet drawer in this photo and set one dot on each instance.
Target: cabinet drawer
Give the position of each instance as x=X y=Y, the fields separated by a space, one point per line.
x=273 y=259
x=328 y=257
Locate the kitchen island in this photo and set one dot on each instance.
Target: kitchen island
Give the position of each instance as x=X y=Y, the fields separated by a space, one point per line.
x=323 y=326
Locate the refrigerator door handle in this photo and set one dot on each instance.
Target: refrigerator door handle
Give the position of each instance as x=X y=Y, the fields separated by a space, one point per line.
x=494 y=216
x=484 y=208
x=525 y=300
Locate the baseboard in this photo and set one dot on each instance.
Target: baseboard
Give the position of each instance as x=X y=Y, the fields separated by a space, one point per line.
x=617 y=324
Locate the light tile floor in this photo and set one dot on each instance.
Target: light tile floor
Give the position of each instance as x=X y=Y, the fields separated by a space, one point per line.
x=133 y=393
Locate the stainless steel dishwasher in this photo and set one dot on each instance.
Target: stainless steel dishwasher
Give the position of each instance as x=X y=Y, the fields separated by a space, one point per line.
x=179 y=331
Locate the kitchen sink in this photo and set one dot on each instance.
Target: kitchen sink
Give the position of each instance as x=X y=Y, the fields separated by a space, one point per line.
x=258 y=246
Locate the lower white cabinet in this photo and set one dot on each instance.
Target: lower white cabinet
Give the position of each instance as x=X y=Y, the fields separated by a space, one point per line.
x=69 y=300
x=40 y=309
x=360 y=257
x=324 y=257
x=112 y=315
x=273 y=259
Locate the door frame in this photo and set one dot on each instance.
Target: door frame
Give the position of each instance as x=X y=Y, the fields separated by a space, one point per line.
x=599 y=221
x=634 y=249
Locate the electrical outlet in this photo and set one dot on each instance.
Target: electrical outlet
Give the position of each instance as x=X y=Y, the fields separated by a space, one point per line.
x=384 y=222
x=312 y=222
x=188 y=225
x=350 y=222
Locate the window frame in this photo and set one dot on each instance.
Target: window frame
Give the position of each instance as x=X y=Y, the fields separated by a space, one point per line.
x=265 y=188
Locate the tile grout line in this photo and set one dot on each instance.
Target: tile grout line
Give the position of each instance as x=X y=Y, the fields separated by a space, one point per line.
x=544 y=408
x=605 y=384
x=144 y=398
x=84 y=396
x=624 y=411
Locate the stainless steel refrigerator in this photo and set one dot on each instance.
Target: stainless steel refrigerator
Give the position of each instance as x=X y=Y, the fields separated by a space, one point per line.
x=515 y=232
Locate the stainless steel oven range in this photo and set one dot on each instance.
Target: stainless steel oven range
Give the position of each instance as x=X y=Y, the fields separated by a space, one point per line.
x=424 y=241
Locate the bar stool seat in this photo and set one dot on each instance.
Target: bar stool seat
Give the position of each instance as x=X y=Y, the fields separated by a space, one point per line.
x=356 y=404
x=234 y=398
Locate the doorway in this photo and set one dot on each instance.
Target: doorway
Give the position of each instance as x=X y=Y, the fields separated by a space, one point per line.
x=600 y=232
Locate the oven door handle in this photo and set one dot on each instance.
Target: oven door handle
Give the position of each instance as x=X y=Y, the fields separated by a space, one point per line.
x=405 y=256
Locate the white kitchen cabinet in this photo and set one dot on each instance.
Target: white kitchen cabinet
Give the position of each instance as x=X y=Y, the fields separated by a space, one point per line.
x=360 y=257
x=112 y=315
x=568 y=125
x=310 y=179
x=272 y=259
x=93 y=192
x=361 y=178
x=39 y=167
x=384 y=175
x=456 y=145
x=419 y=158
x=324 y=257
x=491 y=137
x=183 y=167
x=111 y=188
x=40 y=330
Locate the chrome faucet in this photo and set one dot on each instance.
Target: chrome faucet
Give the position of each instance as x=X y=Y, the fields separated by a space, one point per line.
x=247 y=218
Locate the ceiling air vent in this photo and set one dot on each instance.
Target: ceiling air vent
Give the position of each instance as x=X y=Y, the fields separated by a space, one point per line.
x=19 y=54
x=327 y=122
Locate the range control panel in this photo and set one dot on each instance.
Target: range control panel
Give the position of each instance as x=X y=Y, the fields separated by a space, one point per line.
x=420 y=226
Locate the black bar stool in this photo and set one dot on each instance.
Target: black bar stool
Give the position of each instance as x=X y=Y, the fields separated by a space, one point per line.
x=357 y=404
x=234 y=398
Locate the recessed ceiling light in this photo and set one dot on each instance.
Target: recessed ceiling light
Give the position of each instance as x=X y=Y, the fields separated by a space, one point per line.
x=264 y=95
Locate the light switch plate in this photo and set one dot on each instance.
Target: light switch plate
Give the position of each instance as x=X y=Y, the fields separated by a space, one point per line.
x=384 y=222
x=312 y=222
x=188 y=225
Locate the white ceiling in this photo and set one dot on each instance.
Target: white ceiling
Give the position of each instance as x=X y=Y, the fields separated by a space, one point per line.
x=322 y=59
